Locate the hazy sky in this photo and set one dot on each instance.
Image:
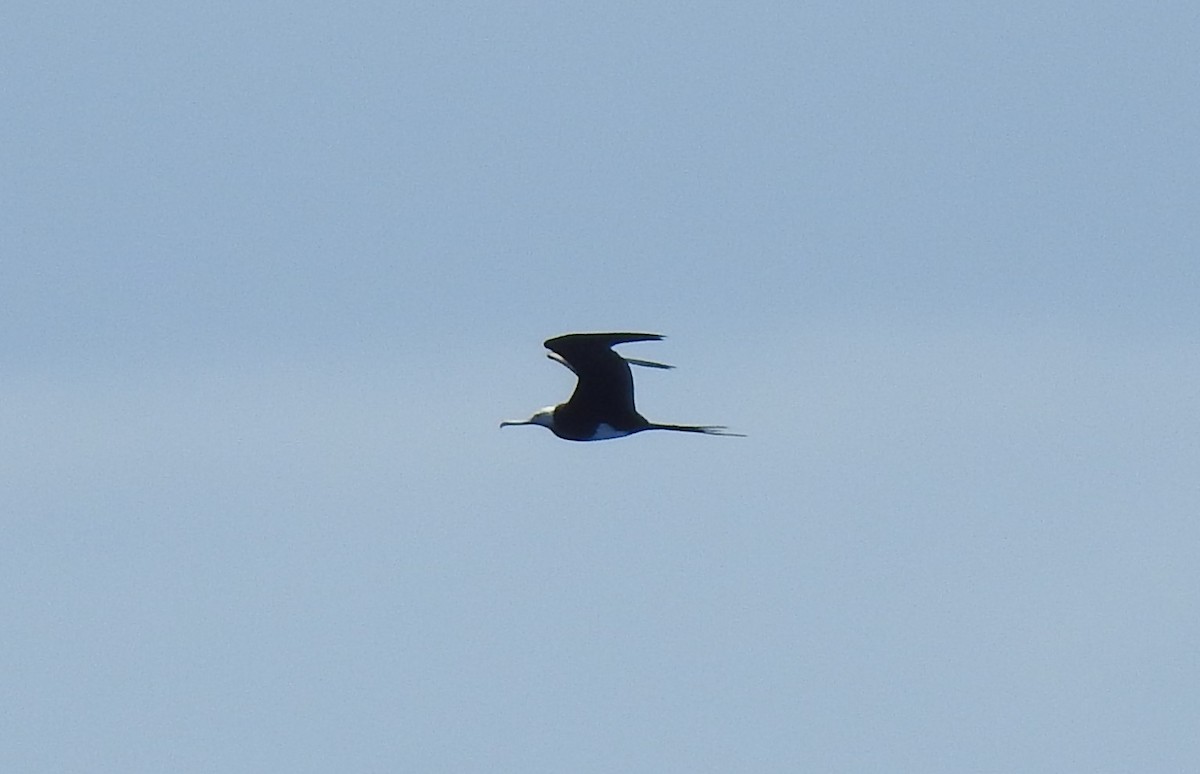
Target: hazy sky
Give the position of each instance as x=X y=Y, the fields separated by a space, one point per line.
x=271 y=274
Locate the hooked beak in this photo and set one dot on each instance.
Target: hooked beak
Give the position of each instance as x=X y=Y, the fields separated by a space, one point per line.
x=508 y=422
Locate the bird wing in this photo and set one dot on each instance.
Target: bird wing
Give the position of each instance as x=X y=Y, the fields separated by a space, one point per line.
x=605 y=381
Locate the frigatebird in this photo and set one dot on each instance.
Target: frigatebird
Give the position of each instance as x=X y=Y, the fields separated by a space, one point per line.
x=602 y=405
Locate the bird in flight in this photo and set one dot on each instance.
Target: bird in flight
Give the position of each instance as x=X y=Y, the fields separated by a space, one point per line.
x=602 y=405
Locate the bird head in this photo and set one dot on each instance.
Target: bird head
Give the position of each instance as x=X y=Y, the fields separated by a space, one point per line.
x=543 y=417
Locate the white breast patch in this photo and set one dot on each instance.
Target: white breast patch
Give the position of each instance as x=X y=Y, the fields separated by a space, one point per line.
x=606 y=431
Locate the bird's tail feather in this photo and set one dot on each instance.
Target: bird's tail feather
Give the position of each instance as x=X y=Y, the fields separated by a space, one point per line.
x=706 y=429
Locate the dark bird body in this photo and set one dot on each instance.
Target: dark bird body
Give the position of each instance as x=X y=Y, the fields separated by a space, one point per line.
x=602 y=405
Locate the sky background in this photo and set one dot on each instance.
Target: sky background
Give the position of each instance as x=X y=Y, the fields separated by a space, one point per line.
x=271 y=274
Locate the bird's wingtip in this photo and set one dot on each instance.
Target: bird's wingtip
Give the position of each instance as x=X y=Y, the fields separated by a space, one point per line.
x=647 y=363
x=608 y=338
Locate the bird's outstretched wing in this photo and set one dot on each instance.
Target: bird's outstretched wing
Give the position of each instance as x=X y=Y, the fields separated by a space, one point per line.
x=585 y=342
x=605 y=383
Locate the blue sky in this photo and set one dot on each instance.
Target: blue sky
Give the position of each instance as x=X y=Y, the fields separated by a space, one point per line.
x=272 y=273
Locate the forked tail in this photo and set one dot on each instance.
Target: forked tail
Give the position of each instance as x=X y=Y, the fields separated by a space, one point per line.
x=706 y=429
